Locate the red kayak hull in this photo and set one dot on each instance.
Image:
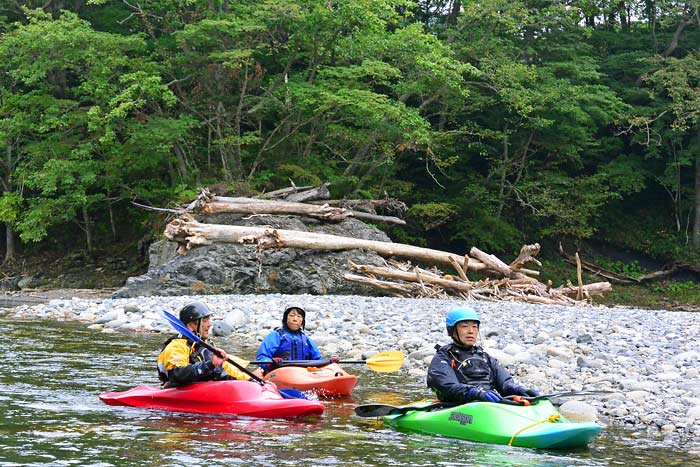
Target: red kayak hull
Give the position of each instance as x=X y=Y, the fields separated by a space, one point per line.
x=328 y=381
x=216 y=397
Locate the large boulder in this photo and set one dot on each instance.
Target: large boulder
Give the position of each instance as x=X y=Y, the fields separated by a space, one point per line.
x=238 y=269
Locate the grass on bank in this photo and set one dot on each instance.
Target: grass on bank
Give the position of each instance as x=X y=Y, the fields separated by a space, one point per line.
x=682 y=293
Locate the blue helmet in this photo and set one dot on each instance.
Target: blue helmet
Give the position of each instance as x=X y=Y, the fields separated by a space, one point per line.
x=456 y=315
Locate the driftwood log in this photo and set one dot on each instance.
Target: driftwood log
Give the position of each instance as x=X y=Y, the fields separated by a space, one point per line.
x=502 y=282
x=189 y=233
x=427 y=284
x=210 y=204
x=614 y=276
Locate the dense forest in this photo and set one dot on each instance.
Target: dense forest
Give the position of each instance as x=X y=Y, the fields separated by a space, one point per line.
x=498 y=123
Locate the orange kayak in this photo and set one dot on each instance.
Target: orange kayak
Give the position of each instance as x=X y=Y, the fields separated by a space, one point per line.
x=328 y=380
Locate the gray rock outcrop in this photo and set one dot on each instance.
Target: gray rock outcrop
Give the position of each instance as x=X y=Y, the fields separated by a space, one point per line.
x=238 y=269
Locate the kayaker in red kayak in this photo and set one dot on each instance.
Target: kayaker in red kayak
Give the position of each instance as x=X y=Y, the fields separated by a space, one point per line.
x=289 y=342
x=462 y=372
x=182 y=361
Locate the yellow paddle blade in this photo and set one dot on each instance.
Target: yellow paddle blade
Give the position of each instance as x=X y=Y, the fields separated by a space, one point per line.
x=240 y=361
x=386 y=362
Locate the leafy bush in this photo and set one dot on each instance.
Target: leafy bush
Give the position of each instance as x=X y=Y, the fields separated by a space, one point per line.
x=632 y=269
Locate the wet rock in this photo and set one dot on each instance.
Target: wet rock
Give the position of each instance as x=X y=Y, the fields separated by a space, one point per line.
x=238 y=269
x=577 y=411
x=222 y=328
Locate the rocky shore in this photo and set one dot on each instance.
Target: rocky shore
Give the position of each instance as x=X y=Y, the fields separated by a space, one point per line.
x=648 y=360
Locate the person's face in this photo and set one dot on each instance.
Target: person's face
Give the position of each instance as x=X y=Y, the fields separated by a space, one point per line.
x=204 y=328
x=294 y=320
x=467 y=332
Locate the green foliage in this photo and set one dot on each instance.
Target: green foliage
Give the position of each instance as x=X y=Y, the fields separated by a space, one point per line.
x=431 y=215
x=677 y=287
x=631 y=269
x=10 y=207
x=502 y=123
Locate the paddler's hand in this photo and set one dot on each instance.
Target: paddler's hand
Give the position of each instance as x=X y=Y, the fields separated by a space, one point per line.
x=523 y=391
x=218 y=358
x=258 y=372
x=335 y=359
x=478 y=394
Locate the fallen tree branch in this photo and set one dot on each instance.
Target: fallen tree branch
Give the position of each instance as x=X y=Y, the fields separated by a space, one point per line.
x=209 y=204
x=189 y=233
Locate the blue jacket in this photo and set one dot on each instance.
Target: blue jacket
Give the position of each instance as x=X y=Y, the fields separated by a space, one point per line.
x=287 y=345
x=456 y=369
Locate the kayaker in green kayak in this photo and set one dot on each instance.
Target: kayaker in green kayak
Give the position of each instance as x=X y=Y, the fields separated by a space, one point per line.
x=462 y=372
x=182 y=361
x=288 y=342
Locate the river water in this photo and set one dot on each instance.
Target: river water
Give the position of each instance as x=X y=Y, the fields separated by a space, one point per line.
x=50 y=415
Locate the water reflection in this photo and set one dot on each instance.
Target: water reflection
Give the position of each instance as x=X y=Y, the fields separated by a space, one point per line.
x=50 y=415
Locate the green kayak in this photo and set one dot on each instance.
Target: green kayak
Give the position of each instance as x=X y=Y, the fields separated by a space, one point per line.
x=539 y=425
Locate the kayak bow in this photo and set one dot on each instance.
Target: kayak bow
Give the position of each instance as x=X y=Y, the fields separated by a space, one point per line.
x=539 y=425
x=216 y=397
x=329 y=381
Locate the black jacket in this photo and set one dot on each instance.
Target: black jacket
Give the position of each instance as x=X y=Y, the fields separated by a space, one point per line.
x=456 y=369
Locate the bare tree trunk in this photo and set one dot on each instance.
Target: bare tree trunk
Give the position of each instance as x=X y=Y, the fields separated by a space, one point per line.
x=696 y=205
x=11 y=246
x=87 y=229
x=676 y=36
x=504 y=174
x=6 y=186
x=112 y=224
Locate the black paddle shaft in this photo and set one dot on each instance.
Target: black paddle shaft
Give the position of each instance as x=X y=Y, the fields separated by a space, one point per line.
x=380 y=410
x=234 y=363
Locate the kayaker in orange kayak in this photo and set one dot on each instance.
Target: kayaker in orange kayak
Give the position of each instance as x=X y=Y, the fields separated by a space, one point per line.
x=182 y=361
x=462 y=372
x=288 y=342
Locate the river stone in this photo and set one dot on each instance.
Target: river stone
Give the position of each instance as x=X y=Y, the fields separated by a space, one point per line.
x=577 y=411
x=110 y=316
x=693 y=414
x=222 y=329
x=238 y=269
x=235 y=318
x=513 y=349
x=10 y=284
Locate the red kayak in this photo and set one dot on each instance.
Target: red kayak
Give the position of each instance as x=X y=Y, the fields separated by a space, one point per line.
x=329 y=380
x=217 y=397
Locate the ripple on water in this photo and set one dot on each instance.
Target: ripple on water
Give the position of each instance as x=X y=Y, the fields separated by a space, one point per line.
x=55 y=418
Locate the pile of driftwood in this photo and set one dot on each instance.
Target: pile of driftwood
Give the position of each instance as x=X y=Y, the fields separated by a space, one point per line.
x=302 y=203
x=499 y=281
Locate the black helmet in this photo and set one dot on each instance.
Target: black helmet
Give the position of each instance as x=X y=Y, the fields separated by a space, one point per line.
x=301 y=311
x=194 y=311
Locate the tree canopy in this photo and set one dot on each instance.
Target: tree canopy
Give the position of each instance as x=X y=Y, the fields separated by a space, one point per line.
x=498 y=122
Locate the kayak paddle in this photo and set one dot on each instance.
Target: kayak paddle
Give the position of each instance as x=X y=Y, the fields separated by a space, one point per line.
x=380 y=410
x=383 y=362
x=555 y=395
x=185 y=331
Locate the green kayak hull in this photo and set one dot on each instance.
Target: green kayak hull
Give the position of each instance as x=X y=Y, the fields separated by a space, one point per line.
x=536 y=426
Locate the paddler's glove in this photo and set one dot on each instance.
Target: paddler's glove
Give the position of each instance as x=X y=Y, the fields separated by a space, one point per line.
x=478 y=394
x=335 y=359
x=523 y=391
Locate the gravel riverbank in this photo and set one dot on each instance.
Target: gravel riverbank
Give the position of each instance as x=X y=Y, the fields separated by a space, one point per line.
x=648 y=359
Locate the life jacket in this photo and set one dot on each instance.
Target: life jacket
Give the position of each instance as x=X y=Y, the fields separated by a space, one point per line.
x=194 y=353
x=293 y=346
x=472 y=365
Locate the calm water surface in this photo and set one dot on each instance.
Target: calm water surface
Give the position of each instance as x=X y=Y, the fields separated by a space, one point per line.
x=50 y=415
